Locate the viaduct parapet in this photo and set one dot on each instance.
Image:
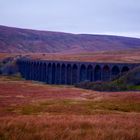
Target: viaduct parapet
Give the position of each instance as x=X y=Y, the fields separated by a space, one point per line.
x=70 y=72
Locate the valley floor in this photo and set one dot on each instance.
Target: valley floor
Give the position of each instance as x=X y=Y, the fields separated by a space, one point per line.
x=33 y=111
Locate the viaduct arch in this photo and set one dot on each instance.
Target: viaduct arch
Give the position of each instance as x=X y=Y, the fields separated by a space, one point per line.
x=66 y=72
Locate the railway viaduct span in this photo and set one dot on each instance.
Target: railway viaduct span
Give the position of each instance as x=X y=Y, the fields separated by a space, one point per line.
x=70 y=72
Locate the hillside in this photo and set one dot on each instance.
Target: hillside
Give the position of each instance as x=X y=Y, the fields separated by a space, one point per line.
x=15 y=40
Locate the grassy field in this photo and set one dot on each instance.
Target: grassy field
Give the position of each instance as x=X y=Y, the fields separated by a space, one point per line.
x=33 y=111
x=111 y=56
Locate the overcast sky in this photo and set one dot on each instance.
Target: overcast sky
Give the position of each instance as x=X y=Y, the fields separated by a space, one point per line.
x=117 y=17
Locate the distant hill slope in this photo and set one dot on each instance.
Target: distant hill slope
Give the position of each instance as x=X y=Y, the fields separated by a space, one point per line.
x=15 y=40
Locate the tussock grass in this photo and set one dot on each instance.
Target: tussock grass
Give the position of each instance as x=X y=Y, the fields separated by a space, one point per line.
x=64 y=127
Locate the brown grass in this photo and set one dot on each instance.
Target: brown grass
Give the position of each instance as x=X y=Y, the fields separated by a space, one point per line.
x=33 y=111
x=97 y=127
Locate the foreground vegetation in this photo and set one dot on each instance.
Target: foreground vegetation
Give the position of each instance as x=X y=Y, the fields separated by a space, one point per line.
x=46 y=127
x=35 y=111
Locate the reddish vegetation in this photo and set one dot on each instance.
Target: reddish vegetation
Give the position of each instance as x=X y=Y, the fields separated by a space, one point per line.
x=25 y=92
x=32 y=110
x=97 y=127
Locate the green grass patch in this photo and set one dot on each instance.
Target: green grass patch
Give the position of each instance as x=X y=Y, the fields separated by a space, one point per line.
x=79 y=107
x=134 y=87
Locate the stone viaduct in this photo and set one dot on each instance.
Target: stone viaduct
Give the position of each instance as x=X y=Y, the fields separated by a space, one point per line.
x=69 y=72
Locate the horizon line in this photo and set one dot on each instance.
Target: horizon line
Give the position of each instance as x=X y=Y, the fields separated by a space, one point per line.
x=77 y=33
